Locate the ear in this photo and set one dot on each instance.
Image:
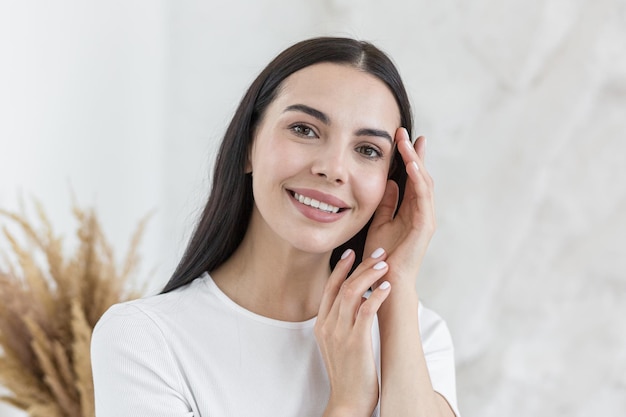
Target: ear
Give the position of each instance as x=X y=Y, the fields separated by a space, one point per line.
x=248 y=169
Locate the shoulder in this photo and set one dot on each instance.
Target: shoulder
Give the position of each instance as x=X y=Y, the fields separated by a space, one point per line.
x=126 y=329
x=124 y=317
x=133 y=340
x=150 y=313
x=141 y=323
x=133 y=364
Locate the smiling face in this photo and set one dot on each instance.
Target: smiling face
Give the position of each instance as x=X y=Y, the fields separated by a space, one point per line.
x=320 y=157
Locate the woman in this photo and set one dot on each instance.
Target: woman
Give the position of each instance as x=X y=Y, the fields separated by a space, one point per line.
x=266 y=314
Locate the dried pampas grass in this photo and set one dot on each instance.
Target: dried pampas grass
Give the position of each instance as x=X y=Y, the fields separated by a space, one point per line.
x=49 y=305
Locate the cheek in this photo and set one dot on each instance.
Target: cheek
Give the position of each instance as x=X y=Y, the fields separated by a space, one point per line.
x=277 y=162
x=371 y=188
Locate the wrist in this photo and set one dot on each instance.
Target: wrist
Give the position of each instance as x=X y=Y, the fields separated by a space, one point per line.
x=402 y=301
x=402 y=282
x=336 y=411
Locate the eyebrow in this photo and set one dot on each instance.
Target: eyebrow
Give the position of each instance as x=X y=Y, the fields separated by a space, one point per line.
x=310 y=111
x=322 y=117
x=375 y=132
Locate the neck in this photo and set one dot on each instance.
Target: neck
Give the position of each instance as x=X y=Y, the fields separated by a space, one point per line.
x=273 y=280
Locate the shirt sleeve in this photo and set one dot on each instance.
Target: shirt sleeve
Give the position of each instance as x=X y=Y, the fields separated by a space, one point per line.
x=134 y=371
x=439 y=355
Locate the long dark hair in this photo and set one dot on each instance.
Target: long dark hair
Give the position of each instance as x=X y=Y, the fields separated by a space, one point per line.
x=226 y=215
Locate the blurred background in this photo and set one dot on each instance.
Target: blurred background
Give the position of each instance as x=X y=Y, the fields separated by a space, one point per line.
x=122 y=104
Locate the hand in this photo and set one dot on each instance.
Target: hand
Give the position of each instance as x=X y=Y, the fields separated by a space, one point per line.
x=344 y=334
x=405 y=237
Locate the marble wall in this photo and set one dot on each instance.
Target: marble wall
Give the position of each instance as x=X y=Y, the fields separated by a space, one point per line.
x=524 y=106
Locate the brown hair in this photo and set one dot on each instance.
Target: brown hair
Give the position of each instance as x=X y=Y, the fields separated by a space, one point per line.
x=225 y=218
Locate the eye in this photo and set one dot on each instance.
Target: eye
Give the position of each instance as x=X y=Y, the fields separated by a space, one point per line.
x=303 y=130
x=369 y=152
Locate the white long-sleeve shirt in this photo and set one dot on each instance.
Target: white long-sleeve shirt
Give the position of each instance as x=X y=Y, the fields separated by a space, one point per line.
x=195 y=352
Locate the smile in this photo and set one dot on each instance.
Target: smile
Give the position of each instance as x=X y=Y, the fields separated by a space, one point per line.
x=311 y=202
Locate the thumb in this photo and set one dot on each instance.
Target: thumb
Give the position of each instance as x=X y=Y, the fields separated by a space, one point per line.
x=387 y=207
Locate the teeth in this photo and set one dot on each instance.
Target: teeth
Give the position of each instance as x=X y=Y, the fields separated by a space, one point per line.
x=316 y=204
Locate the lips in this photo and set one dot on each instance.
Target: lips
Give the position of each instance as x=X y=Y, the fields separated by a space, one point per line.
x=319 y=201
x=320 y=205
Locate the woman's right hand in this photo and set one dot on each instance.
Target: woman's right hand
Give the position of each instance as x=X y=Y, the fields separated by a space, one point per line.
x=344 y=334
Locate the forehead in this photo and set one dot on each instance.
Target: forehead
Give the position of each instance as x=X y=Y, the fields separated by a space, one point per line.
x=339 y=88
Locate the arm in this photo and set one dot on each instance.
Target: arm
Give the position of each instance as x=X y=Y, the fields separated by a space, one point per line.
x=133 y=370
x=406 y=388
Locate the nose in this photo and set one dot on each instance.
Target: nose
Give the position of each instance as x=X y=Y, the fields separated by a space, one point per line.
x=331 y=163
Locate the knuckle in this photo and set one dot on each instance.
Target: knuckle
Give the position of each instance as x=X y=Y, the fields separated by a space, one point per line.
x=429 y=225
x=317 y=332
x=329 y=290
x=368 y=309
x=321 y=331
x=349 y=291
x=428 y=192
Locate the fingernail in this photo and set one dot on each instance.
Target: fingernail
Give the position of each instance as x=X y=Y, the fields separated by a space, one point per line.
x=384 y=285
x=417 y=168
x=378 y=253
x=346 y=254
x=408 y=136
x=380 y=265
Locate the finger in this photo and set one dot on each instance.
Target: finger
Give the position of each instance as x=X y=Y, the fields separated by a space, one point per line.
x=369 y=308
x=337 y=277
x=375 y=256
x=420 y=150
x=419 y=174
x=410 y=151
x=420 y=147
x=422 y=187
x=415 y=167
x=405 y=147
x=387 y=207
x=352 y=291
x=420 y=190
x=335 y=297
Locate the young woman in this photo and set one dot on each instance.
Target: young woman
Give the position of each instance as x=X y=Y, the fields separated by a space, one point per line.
x=296 y=295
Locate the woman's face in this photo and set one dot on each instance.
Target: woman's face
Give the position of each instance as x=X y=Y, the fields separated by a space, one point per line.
x=321 y=156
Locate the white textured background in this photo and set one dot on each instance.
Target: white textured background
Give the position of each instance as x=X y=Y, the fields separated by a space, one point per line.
x=524 y=104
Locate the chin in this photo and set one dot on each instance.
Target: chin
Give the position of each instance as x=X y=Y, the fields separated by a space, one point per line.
x=313 y=248
x=315 y=245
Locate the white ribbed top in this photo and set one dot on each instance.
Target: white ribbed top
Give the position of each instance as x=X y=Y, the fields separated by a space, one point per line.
x=195 y=352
